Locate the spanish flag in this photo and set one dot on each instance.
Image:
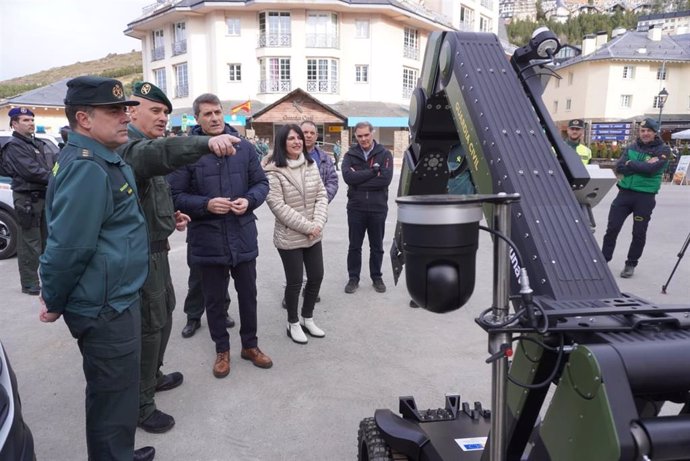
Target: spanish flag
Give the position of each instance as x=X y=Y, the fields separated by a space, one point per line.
x=245 y=106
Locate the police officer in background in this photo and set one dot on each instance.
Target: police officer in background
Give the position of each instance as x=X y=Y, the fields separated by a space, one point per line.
x=576 y=129
x=152 y=156
x=96 y=260
x=28 y=161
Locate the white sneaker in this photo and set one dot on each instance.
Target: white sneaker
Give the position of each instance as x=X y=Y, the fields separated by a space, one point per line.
x=310 y=327
x=294 y=331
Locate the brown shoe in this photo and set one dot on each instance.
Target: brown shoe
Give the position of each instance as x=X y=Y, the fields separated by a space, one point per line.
x=222 y=366
x=257 y=357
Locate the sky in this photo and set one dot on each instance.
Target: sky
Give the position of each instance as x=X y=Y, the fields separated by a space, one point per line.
x=37 y=35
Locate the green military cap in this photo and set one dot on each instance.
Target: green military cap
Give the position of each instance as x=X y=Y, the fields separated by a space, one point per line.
x=650 y=123
x=90 y=90
x=151 y=92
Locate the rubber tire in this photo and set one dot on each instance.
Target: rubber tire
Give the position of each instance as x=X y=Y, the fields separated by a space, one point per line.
x=8 y=235
x=370 y=444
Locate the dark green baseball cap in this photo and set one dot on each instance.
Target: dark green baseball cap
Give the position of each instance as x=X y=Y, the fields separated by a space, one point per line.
x=90 y=90
x=151 y=92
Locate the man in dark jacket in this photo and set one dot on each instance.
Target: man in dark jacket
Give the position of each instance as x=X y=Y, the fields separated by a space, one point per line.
x=368 y=170
x=28 y=161
x=326 y=167
x=642 y=165
x=151 y=156
x=220 y=195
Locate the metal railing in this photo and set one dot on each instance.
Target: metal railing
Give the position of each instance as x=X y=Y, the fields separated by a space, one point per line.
x=179 y=47
x=275 y=86
x=158 y=53
x=322 y=86
x=181 y=91
x=411 y=52
x=275 y=40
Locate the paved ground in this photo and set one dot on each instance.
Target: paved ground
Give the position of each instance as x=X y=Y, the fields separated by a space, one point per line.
x=308 y=406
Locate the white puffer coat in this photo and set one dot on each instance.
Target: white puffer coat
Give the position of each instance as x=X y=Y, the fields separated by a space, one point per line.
x=298 y=201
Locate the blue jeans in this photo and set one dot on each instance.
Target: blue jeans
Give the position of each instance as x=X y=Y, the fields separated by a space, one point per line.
x=374 y=225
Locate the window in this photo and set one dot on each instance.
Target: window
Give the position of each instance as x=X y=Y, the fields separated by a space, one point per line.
x=568 y=104
x=275 y=75
x=661 y=72
x=361 y=28
x=571 y=77
x=158 y=48
x=232 y=27
x=558 y=83
x=555 y=107
x=409 y=82
x=322 y=30
x=179 y=38
x=274 y=29
x=182 y=83
x=485 y=24
x=322 y=75
x=626 y=100
x=362 y=73
x=411 y=43
x=628 y=72
x=487 y=4
x=235 y=72
x=466 y=18
x=160 y=79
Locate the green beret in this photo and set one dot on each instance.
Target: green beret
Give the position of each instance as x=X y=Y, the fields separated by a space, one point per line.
x=151 y=92
x=650 y=123
x=89 y=90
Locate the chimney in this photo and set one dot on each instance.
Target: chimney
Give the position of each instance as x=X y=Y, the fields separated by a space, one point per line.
x=618 y=31
x=602 y=38
x=588 y=44
x=654 y=33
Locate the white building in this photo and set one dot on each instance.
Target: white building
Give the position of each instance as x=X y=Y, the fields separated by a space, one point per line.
x=338 y=52
x=620 y=80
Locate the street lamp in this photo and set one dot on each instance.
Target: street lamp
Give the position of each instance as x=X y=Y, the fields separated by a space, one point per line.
x=662 y=97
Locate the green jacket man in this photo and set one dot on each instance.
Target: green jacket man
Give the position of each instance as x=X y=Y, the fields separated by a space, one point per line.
x=151 y=157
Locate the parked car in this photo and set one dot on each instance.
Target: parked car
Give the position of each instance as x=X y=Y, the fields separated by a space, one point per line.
x=16 y=440
x=8 y=221
x=51 y=141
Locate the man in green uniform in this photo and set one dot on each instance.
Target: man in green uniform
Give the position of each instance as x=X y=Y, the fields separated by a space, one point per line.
x=95 y=262
x=574 y=139
x=640 y=169
x=151 y=156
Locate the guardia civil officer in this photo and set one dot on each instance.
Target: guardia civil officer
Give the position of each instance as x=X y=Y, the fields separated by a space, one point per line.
x=28 y=161
x=641 y=169
x=574 y=139
x=95 y=262
x=152 y=156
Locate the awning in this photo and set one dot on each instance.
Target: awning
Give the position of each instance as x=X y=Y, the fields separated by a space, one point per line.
x=380 y=122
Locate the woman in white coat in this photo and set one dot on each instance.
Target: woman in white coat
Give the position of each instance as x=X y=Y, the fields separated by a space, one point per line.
x=299 y=203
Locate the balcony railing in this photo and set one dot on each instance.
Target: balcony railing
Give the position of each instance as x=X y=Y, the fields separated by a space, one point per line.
x=407 y=93
x=275 y=40
x=158 y=53
x=275 y=86
x=467 y=26
x=322 y=41
x=411 y=52
x=487 y=4
x=322 y=86
x=181 y=91
x=179 y=47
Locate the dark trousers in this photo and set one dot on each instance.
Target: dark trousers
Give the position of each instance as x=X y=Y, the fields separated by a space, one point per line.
x=110 y=346
x=374 y=225
x=294 y=261
x=214 y=281
x=194 y=302
x=157 y=305
x=641 y=206
x=32 y=233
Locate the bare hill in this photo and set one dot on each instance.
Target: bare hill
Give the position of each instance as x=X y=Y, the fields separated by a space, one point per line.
x=125 y=67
